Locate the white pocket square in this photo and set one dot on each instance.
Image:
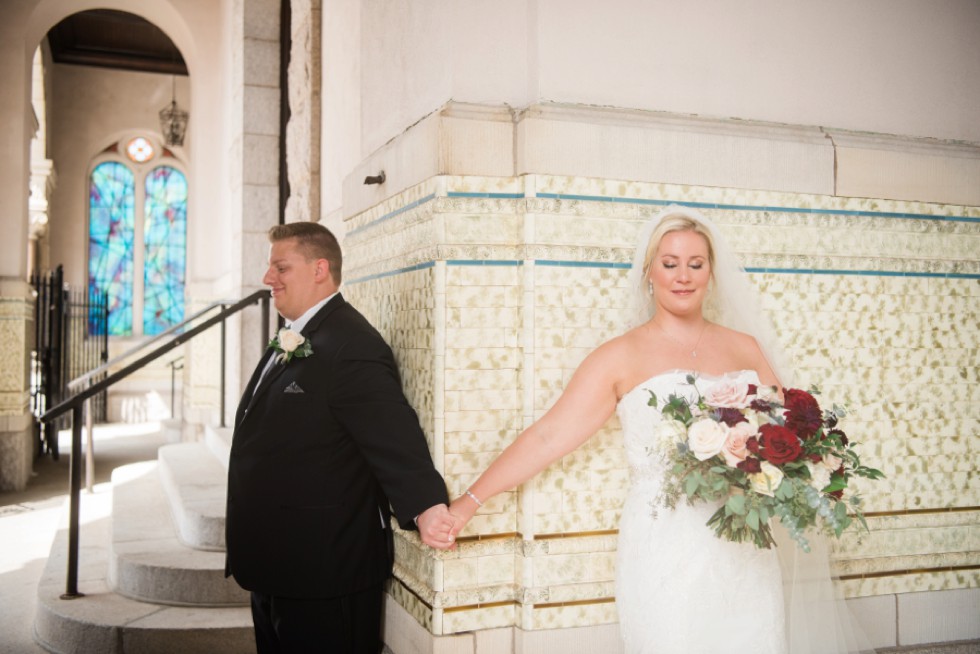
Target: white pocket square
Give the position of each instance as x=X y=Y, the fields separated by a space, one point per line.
x=293 y=388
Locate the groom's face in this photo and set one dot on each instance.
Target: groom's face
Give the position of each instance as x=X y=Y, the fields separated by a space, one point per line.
x=297 y=283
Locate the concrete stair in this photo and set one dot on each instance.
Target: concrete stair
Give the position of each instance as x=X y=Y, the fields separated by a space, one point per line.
x=151 y=563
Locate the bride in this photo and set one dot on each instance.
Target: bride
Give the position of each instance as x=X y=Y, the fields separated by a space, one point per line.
x=678 y=587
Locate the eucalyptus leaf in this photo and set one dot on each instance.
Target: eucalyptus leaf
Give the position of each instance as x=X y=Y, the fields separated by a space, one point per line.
x=737 y=504
x=691 y=485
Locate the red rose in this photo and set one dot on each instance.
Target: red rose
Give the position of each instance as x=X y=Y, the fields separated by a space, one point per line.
x=779 y=445
x=815 y=458
x=794 y=399
x=802 y=412
x=749 y=465
x=753 y=389
x=752 y=445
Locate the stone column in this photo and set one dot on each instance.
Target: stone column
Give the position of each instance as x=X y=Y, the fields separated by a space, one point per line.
x=303 y=130
x=16 y=301
x=16 y=341
x=252 y=182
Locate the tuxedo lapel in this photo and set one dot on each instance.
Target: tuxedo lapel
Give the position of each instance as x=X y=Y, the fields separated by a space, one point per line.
x=276 y=370
x=260 y=385
x=250 y=388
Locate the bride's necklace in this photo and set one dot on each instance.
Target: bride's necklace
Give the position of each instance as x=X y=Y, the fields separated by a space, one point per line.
x=694 y=350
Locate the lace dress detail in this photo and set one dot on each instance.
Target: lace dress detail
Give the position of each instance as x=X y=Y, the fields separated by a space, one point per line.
x=679 y=588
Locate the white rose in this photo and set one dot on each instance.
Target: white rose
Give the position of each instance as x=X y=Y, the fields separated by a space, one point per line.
x=819 y=475
x=706 y=438
x=767 y=393
x=668 y=433
x=767 y=481
x=290 y=340
x=756 y=419
x=729 y=393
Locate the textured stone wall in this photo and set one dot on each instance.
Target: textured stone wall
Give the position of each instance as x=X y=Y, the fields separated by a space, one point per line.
x=492 y=290
x=16 y=342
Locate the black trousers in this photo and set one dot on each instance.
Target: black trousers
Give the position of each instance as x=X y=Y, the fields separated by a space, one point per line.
x=350 y=624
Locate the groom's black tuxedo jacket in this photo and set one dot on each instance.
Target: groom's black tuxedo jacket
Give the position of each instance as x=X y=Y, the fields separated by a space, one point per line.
x=319 y=449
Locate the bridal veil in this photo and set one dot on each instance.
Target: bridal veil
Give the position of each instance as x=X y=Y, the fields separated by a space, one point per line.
x=817 y=617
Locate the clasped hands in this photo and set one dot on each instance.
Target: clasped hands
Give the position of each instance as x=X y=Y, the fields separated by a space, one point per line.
x=439 y=525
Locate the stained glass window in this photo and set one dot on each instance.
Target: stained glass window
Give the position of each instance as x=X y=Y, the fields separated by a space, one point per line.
x=110 y=255
x=165 y=240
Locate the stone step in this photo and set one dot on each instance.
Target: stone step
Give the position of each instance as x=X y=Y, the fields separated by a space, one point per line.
x=148 y=561
x=109 y=623
x=218 y=439
x=196 y=485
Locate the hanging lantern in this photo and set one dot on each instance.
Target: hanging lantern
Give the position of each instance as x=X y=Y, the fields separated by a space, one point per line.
x=173 y=120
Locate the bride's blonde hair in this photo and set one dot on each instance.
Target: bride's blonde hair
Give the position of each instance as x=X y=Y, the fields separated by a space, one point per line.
x=677 y=222
x=732 y=301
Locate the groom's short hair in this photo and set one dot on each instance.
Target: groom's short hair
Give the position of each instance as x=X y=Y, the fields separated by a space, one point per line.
x=314 y=241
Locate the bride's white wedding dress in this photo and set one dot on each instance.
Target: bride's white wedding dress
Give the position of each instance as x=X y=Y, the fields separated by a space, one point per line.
x=679 y=588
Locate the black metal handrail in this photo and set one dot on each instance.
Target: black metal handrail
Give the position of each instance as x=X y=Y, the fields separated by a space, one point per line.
x=175 y=365
x=77 y=381
x=76 y=402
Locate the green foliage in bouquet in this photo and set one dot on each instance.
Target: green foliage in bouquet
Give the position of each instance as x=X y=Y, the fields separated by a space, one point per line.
x=764 y=457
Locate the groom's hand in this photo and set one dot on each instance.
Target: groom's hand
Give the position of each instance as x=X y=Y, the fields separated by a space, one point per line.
x=436 y=527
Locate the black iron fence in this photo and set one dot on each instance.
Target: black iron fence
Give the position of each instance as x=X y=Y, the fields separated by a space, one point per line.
x=70 y=338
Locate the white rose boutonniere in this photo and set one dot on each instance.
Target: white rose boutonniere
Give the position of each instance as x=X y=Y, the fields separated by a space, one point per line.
x=290 y=344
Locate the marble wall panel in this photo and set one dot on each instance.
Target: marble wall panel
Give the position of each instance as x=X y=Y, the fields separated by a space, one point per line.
x=492 y=291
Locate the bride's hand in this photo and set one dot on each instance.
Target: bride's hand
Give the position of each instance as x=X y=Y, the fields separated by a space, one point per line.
x=462 y=508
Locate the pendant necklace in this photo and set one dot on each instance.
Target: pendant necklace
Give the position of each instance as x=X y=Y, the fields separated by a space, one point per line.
x=694 y=350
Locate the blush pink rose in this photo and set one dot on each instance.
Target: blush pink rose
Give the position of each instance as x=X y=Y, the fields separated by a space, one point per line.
x=728 y=393
x=832 y=461
x=735 y=449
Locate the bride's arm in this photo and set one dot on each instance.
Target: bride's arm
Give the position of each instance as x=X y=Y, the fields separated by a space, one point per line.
x=587 y=402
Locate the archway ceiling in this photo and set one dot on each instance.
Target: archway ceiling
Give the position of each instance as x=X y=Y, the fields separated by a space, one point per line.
x=114 y=39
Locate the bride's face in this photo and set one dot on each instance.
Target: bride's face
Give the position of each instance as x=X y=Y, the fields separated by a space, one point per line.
x=680 y=272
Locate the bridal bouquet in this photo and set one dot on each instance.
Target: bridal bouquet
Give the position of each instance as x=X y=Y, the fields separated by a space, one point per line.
x=769 y=458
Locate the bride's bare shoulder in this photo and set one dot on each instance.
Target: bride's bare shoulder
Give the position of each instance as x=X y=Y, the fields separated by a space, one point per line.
x=736 y=338
x=618 y=350
x=747 y=353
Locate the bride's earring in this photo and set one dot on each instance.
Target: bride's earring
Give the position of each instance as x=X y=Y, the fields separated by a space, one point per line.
x=649 y=288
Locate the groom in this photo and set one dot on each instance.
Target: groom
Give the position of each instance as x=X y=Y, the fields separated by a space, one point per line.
x=324 y=440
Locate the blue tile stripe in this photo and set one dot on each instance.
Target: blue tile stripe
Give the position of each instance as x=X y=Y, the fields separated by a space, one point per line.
x=493 y=196
x=870 y=273
x=392 y=214
x=483 y=262
x=390 y=273
x=429 y=198
x=652 y=202
x=746 y=207
x=664 y=203
x=583 y=264
x=625 y=266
